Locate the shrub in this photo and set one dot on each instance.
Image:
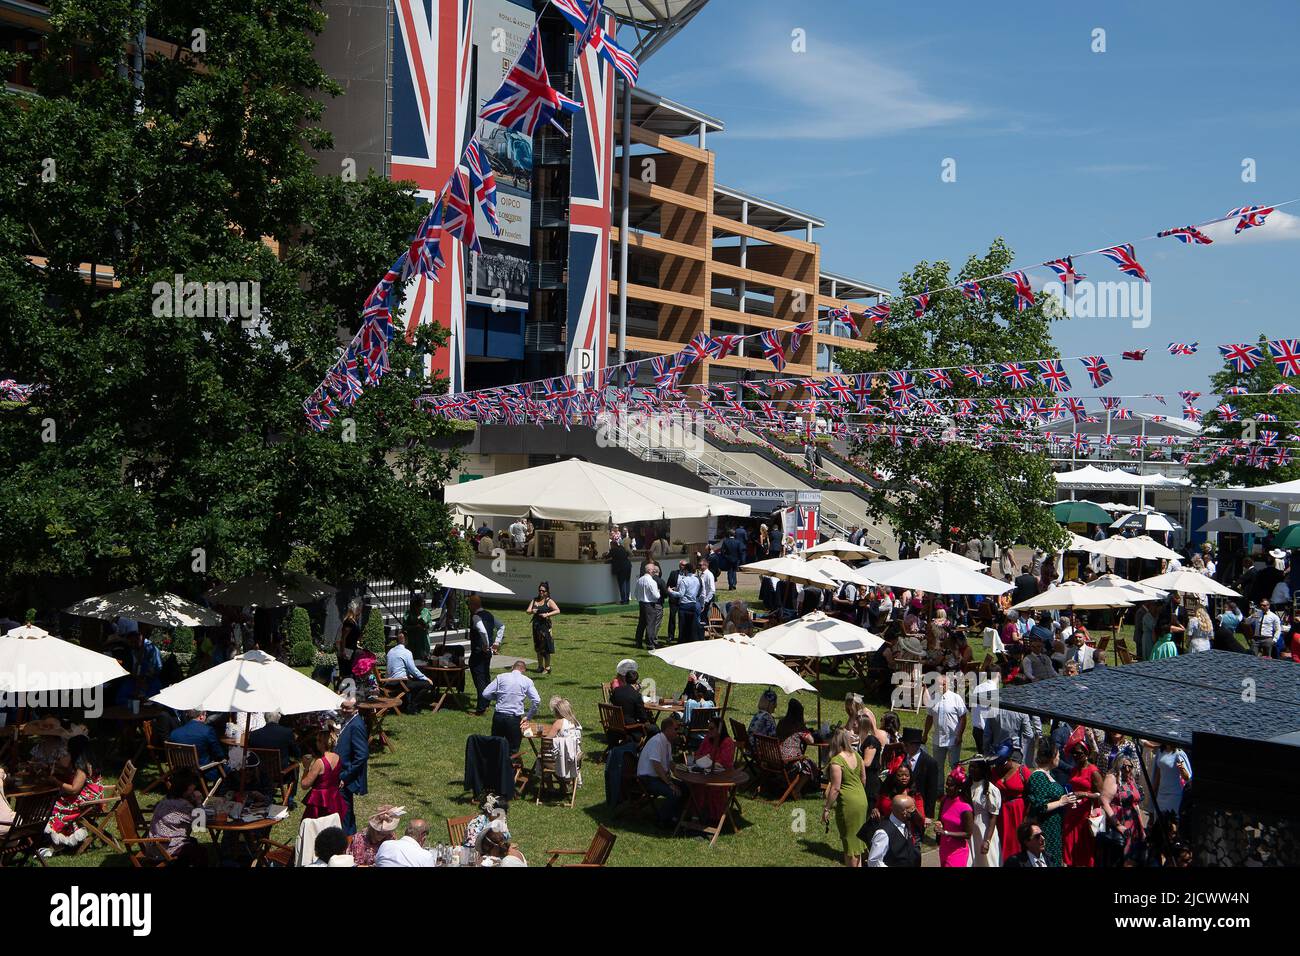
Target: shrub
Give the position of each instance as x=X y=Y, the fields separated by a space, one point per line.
x=372 y=636
x=303 y=653
x=299 y=628
x=183 y=641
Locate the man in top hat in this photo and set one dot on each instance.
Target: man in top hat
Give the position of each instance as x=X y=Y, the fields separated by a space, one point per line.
x=925 y=769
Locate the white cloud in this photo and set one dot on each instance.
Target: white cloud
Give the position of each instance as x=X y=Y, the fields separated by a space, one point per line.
x=1279 y=226
x=833 y=91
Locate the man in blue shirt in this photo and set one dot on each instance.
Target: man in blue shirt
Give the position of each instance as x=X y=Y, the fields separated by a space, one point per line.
x=198 y=733
x=509 y=692
x=400 y=666
x=687 y=593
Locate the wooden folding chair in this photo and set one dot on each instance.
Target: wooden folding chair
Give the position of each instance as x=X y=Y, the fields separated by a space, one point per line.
x=186 y=757
x=269 y=764
x=714 y=623
x=547 y=780
x=771 y=766
x=144 y=852
x=602 y=845
x=456 y=827
x=605 y=690
x=744 y=746
x=616 y=729
x=26 y=834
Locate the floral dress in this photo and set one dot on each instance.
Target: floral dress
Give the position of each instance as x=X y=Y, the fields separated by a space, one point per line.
x=67 y=809
x=1041 y=790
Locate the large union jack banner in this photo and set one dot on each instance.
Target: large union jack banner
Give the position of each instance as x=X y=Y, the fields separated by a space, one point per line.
x=590 y=202
x=430 y=125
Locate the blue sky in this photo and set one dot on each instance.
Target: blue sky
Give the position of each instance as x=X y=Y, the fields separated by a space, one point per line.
x=1057 y=148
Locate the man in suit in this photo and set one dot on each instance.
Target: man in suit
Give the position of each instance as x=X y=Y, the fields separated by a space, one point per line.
x=620 y=565
x=1026 y=586
x=674 y=604
x=276 y=736
x=733 y=556
x=353 y=748
x=925 y=769
x=1031 y=838
x=627 y=697
x=198 y=732
x=892 y=842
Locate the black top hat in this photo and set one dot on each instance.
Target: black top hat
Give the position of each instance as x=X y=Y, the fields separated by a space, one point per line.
x=912 y=735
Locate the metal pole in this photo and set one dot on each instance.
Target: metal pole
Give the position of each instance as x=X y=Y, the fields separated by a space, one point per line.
x=625 y=171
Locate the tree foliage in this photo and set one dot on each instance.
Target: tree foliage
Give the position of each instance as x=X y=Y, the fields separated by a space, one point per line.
x=1285 y=408
x=171 y=450
x=944 y=490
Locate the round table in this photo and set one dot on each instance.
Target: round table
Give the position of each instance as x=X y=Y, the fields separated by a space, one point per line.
x=243 y=829
x=726 y=780
x=448 y=678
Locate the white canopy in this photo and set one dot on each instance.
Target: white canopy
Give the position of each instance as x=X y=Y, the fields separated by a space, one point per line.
x=467 y=580
x=735 y=661
x=575 y=490
x=252 y=682
x=792 y=569
x=844 y=550
x=1112 y=585
x=816 y=635
x=960 y=560
x=1189 y=582
x=1286 y=492
x=1090 y=476
x=32 y=660
x=260 y=589
x=1139 y=546
x=1071 y=595
x=936 y=575
x=160 y=610
x=839 y=571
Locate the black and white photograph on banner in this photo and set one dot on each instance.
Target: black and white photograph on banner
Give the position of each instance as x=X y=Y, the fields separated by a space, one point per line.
x=666 y=435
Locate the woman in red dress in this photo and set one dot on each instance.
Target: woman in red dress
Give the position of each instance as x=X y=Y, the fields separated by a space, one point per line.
x=1011 y=781
x=321 y=781
x=1078 y=842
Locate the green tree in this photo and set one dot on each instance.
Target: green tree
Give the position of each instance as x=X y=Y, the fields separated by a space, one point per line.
x=1249 y=407
x=946 y=488
x=302 y=649
x=372 y=635
x=171 y=450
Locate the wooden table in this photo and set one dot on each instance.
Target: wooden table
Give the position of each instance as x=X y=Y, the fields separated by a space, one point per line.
x=247 y=830
x=374 y=712
x=448 y=678
x=726 y=780
x=672 y=707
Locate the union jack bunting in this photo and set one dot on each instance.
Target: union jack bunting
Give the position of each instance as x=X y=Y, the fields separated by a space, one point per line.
x=1226 y=412
x=971 y=290
x=758 y=388
x=665 y=371
x=1111 y=403
x=773 y=350
x=1098 y=370
x=1268 y=439
x=976 y=374
x=1123 y=414
x=592 y=33
x=796 y=336
x=1138 y=441
x=1076 y=409
x=559 y=389
x=1015 y=375
x=700 y=348
x=1108 y=440
x=842 y=386
x=1283 y=457
x=526 y=101
x=1122 y=256
x=344 y=381
x=1286 y=355
x=1284 y=388
x=1081 y=442
x=878 y=314
x=458 y=212
x=939 y=378
x=1189 y=397
x=862 y=389
x=1191 y=413
x=921 y=303
x=841 y=317
x=1251 y=216
x=930 y=407
x=484 y=183
x=1187 y=235
x=1137 y=355
x=964 y=407
x=1024 y=291
x=425 y=252
x=724 y=345
x=902 y=386
x=1243 y=357
x=1052 y=374
x=1183 y=348
x=315 y=418
x=1000 y=407
x=1065 y=271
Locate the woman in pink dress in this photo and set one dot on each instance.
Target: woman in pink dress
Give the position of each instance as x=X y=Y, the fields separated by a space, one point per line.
x=1011 y=778
x=956 y=821
x=321 y=781
x=721 y=750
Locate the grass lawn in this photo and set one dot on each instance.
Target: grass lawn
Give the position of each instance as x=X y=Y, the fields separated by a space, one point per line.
x=425 y=771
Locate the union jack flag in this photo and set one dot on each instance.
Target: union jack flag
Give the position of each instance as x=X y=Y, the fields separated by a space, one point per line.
x=1284 y=388
x=939 y=378
x=965 y=406
x=1052 y=373
x=1065 y=271
x=1226 y=412
x=1111 y=403
x=902 y=386
x=1098 y=370
x=1108 y=440
x=773 y=350
x=526 y=101
x=1268 y=439
x=1187 y=235
x=724 y=345
x=1081 y=442
x=1138 y=441
x=842 y=386
x=700 y=348
x=1122 y=256
x=1243 y=358
x=1123 y=414
x=797 y=334
x=315 y=418
x=921 y=303
x=1183 y=348
x=1251 y=216
x=861 y=389
x=1137 y=355
x=1191 y=413
x=1000 y=407
x=1024 y=291
x=484 y=182
x=559 y=389
x=971 y=290
x=841 y=317
x=424 y=255
x=344 y=381
x=1016 y=375
x=1189 y=397
x=458 y=212
x=593 y=33
x=878 y=314
x=1076 y=408
x=1286 y=355
x=976 y=374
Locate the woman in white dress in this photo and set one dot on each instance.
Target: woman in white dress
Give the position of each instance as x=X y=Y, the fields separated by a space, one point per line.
x=986 y=801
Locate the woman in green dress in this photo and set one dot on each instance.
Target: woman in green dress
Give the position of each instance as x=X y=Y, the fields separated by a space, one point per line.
x=847 y=792
x=1047 y=800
